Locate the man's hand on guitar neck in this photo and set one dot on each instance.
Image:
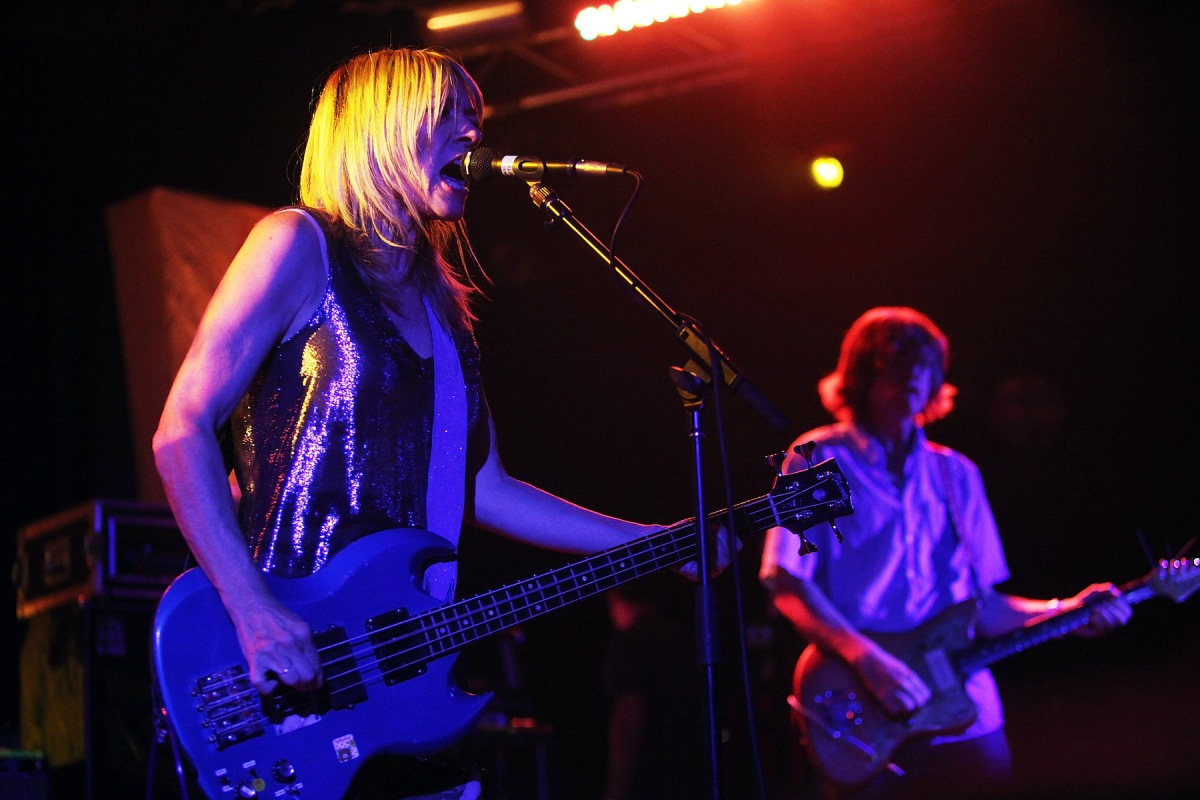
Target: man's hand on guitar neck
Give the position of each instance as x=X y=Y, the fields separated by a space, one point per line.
x=1002 y=613
x=1109 y=610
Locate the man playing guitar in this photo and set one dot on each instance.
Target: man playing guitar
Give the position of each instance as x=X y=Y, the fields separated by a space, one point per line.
x=922 y=540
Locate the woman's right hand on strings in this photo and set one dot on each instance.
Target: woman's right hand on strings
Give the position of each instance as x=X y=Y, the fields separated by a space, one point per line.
x=278 y=647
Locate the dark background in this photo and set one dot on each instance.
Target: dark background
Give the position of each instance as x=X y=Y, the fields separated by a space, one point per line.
x=1024 y=172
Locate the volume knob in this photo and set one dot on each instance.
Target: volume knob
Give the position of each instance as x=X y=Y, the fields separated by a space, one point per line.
x=284 y=771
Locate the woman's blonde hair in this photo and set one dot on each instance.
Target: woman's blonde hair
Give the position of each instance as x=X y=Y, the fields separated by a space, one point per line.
x=361 y=167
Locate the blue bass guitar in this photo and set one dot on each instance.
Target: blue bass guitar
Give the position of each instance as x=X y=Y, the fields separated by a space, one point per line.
x=387 y=648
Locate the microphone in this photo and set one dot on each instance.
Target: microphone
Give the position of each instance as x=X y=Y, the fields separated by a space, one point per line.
x=483 y=162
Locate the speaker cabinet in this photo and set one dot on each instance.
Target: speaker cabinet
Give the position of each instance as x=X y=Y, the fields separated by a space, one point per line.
x=86 y=700
x=23 y=776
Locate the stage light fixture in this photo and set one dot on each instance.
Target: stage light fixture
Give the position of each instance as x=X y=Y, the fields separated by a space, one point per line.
x=625 y=15
x=474 y=22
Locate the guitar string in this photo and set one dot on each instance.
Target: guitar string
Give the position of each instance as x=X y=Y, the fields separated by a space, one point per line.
x=648 y=544
x=289 y=698
x=679 y=554
x=233 y=706
x=628 y=547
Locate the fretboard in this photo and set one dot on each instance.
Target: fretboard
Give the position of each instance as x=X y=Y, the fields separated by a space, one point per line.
x=451 y=627
x=990 y=651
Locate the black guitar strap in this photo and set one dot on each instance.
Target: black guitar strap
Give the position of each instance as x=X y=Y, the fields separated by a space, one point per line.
x=956 y=523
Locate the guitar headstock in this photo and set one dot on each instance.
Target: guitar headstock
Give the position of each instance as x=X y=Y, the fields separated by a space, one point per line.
x=1175 y=578
x=806 y=498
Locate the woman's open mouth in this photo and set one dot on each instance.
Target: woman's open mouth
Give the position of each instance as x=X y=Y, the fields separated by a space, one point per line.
x=452 y=173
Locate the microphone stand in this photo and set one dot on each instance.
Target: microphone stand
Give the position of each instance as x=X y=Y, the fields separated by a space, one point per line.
x=546 y=199
x=692 y=381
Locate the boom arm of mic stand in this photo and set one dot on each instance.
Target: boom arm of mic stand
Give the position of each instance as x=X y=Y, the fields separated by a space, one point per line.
x=546 y=199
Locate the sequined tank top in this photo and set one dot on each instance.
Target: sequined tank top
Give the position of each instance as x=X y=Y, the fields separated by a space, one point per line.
x=332 y=440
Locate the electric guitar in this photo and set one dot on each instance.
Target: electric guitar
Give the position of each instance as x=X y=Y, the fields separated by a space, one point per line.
x=849 y=736
x=387 y=648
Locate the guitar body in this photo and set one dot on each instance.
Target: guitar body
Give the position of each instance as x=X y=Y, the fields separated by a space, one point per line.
x=849 y=736
x=315 y=750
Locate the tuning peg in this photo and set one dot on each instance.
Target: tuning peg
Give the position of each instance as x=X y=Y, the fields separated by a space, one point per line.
x=775 y=461
x=806 y=547
x=805 y=449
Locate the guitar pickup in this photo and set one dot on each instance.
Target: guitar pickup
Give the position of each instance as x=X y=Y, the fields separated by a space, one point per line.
x=344 y=684
x=399 y=655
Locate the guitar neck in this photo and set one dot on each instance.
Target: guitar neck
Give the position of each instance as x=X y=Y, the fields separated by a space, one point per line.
x=797 y=501
x=993 y=650
x=450 y=628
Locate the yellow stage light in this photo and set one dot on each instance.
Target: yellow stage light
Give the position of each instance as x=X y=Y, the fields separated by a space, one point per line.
x=464 y=16
x=827 y=172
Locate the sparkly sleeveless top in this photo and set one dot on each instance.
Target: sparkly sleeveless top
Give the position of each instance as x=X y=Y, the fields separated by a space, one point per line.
x=332 y=439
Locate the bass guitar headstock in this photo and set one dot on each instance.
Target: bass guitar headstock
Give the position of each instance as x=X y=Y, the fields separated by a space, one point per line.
x=800 y=500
